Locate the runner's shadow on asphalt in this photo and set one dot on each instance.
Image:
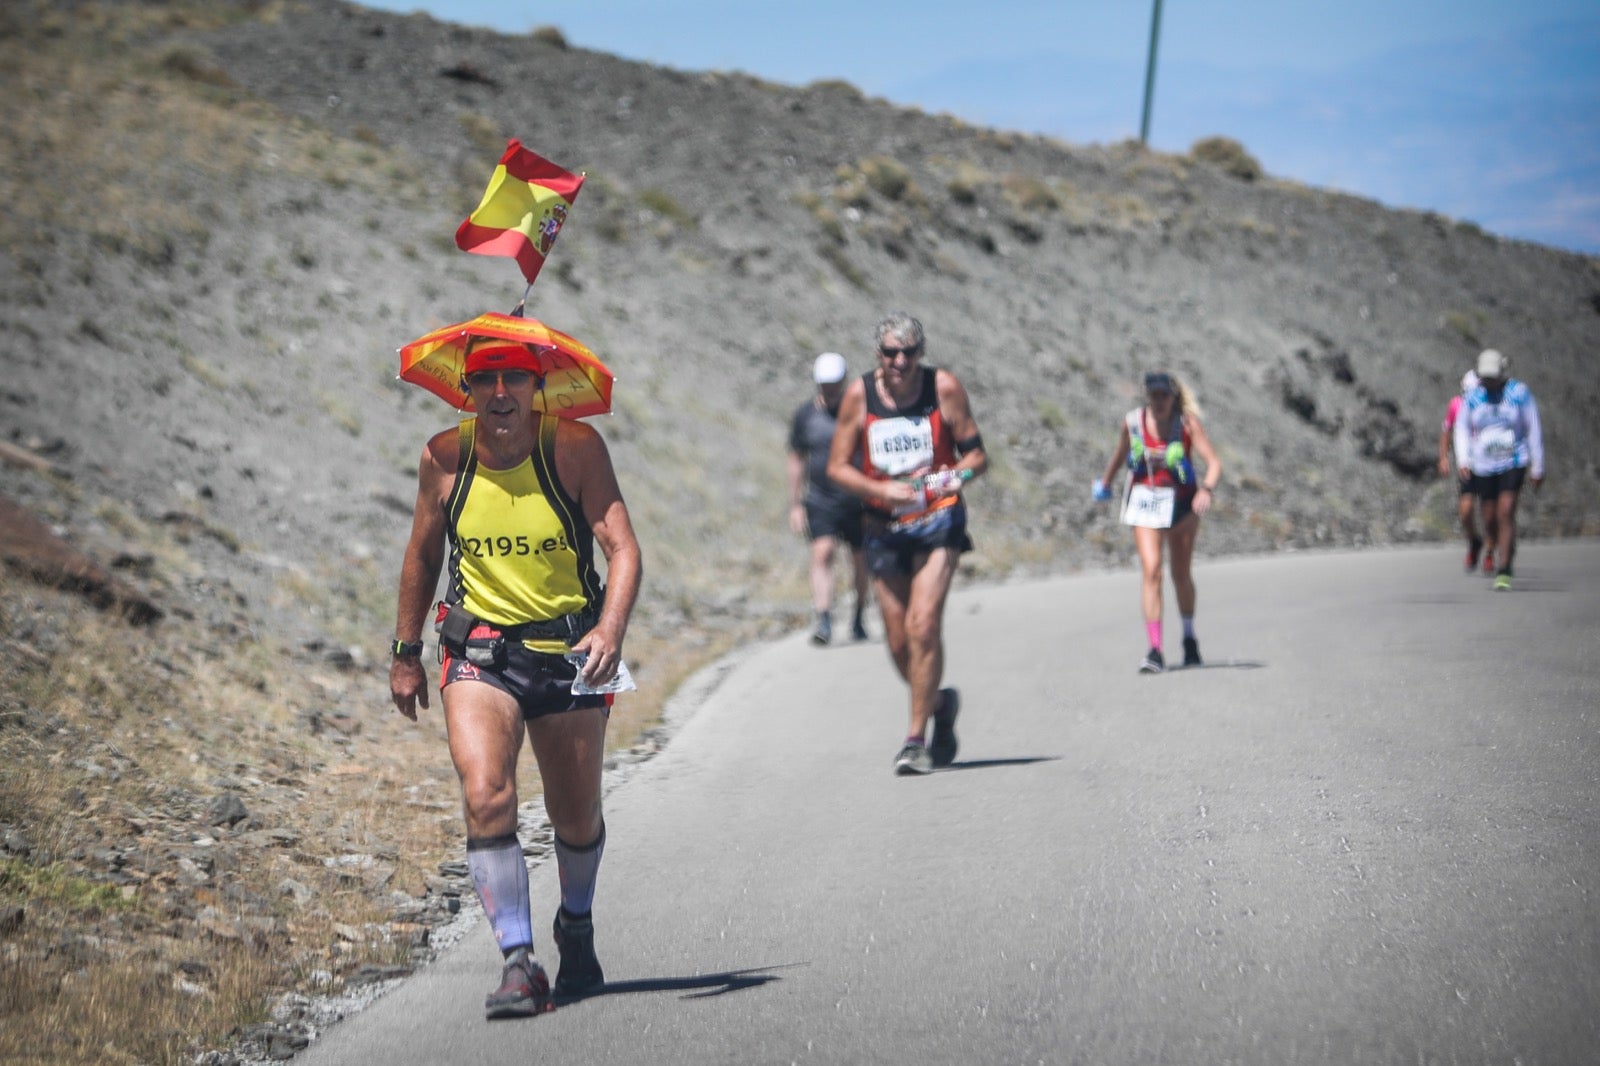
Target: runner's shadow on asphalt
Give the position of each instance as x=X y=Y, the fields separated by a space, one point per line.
x=702 y=986
x=1225 y=664
x=989 y=764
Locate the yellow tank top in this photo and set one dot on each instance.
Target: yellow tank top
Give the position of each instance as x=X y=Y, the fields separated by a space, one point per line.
x=520 y=548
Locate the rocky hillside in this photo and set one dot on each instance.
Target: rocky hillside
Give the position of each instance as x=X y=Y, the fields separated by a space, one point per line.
x=223 y=218
x=226 y=217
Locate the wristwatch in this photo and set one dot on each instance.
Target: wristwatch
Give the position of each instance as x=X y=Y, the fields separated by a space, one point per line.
x=402 y=650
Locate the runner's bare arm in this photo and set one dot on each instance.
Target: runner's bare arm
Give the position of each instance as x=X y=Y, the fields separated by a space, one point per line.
x=419 y=569
x=1208 y=456
x=585 y=467
x=955 y=409
x=794 y=468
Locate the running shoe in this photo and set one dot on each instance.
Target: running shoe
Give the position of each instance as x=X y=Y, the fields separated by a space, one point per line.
x=580 y=971
x=858 y=631
x=524 y=989
x=942 y=751
x=1488 y=563
x=824 y=630
x=1153 y=662
x=1502 y=582
x=1191 y=652
x=1474 y=549
x=913 y=759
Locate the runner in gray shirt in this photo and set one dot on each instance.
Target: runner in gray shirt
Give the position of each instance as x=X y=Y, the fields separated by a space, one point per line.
x=819 y=509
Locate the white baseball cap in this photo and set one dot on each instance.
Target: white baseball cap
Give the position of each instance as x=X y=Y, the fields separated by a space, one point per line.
x=1491 y=364
x=829 y=369
x=1469 y=381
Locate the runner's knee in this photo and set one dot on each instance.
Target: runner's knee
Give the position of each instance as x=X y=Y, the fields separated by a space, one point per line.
x=488 y=798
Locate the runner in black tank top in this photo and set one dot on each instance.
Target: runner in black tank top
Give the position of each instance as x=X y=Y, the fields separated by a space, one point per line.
x=906 y=444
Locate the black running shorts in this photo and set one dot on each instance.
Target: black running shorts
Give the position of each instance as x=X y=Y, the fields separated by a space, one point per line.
x=541 y=683
x=841 y=521
x=1490 y=486
x=892 y=551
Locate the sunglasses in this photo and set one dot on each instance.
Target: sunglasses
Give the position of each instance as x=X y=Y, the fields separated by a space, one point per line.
x=485 y=379
x=890 y=353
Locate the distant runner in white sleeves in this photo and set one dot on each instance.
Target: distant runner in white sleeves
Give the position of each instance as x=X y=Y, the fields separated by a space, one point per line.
x=1164 y=500
x=1498 y=445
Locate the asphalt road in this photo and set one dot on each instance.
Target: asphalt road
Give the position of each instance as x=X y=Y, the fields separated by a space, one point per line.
x=1367 y=831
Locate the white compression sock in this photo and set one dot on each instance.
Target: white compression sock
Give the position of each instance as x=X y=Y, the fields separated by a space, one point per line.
x=501 y=877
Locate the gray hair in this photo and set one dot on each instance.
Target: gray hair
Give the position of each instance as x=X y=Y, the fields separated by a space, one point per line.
x=899 y=324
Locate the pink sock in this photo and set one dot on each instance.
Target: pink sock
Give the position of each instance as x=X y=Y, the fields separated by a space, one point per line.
x=1153 y=631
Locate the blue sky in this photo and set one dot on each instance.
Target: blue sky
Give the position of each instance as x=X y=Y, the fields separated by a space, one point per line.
x=1483 y=110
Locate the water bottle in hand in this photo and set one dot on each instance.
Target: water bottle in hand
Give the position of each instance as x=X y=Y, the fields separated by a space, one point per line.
x=1100 y=491
x=944 y=482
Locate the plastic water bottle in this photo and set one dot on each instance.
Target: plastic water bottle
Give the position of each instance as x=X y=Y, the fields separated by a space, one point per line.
x=945 y=482
x=1100 y=491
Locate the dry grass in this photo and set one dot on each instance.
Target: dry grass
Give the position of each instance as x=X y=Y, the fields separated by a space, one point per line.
x=131 y=930
x=134 y=128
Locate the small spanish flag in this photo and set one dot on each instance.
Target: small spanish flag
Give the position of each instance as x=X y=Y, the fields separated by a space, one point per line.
x=522 y=210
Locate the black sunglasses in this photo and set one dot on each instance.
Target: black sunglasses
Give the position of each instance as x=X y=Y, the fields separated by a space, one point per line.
x=485 y=379
x=910 y=352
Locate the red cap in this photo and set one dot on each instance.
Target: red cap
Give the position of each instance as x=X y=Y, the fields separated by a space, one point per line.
x=501 y=357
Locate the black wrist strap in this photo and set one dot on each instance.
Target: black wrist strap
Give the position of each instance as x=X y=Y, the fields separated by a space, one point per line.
x=401 y=649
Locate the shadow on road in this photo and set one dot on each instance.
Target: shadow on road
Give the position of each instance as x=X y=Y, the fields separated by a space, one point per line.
x=986 y=764
x=1218 y=664
x=707 y=984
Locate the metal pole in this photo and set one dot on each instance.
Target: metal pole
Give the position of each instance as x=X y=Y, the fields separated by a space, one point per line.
x=1150 y=75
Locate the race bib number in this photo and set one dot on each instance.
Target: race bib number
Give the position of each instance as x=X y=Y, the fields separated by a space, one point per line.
x=1498 y=443
x=1150 y=507
x=900 y=446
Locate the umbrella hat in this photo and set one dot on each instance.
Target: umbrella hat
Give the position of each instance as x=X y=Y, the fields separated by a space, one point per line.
x=572 y=381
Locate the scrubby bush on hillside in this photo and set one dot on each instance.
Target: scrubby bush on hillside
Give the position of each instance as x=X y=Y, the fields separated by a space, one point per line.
x=1227 y=154
x=887 y=177
x=552 y=36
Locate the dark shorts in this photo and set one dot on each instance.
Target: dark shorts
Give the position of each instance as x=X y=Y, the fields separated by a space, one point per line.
x=1182 y=507
x=892 y=552
x=1490 y=486
x=840 y=520
x=541 y=683
x=1466 y=486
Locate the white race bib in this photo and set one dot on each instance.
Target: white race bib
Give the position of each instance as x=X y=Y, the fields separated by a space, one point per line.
x=900 y=446
x=1498 y=443
x=1149 y=506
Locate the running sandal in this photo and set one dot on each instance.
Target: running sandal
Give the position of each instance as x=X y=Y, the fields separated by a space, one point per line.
x=942 y=751
x=524 y=989
x=1191 y=652
x=1502 y=582
x=1153 y=662
x=580 y=971
x=824 y=631
x=913 y=759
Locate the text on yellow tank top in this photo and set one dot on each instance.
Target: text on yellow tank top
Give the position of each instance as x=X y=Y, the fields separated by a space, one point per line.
x=521 y=549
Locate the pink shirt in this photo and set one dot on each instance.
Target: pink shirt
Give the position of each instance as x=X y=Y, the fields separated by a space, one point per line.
x=1451 y=412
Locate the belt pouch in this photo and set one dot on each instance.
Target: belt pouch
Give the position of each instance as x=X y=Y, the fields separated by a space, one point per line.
x=455 y=627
